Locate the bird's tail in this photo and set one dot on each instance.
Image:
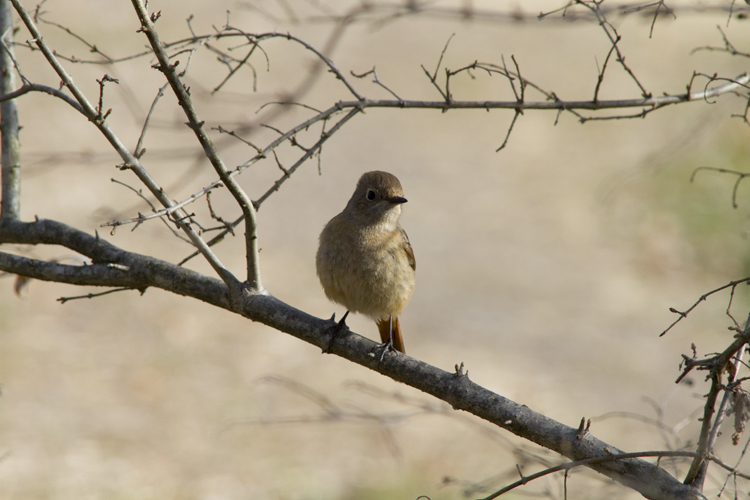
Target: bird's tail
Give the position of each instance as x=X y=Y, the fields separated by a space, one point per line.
x=384 y=326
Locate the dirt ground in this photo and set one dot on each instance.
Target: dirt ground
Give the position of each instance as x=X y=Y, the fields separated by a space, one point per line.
x=547 y=268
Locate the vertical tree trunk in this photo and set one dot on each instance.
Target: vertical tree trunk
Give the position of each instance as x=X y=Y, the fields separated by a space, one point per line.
x=10 y=207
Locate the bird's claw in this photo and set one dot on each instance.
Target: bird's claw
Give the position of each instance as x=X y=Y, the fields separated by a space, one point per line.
x=384 y=347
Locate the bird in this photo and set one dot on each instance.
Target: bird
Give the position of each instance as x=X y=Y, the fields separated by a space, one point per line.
x=365 y=261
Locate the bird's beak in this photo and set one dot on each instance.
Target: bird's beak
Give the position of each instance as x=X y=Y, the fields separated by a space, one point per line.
x=397 y=200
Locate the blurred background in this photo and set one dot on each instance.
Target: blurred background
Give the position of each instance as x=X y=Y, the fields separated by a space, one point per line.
x=547 y=268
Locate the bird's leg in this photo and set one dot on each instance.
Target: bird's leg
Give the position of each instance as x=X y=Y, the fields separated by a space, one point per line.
x=387 y=346
x=336 y=330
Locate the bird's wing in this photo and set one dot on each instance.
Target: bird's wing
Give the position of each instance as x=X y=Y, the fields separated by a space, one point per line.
x=408 y=249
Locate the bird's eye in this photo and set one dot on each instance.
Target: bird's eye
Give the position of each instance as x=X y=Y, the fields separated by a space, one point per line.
x=370 y=194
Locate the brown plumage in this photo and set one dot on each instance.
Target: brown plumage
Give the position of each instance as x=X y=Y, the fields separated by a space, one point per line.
x=365 y=261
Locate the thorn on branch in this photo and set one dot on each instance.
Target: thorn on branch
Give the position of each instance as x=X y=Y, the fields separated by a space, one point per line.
x=583 y=431
x=196 y=126
x=460 y=373
x=681 y=313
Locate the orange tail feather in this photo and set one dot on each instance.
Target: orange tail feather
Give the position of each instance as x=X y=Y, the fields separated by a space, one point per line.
x=383 y=327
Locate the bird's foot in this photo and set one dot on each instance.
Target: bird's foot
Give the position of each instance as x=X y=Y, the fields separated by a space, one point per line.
x=384 y=348
x=336 y=331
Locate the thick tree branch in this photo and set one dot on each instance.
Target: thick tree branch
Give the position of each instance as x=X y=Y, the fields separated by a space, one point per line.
x=125 y=269
x=138 y=271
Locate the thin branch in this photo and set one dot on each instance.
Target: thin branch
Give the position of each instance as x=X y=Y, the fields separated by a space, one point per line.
x=614 y=38
x=376 y=81
x=164 y=212
x=683 y=314
x=131 y=161
x=729 y=47
x=276 y=185
x=153 y=209
x=35 y=87
x=92 y=48
x=740 y=177
x=433 y=78
x=510 y=129
x=650 y=102
x=63 y=300
x=139 y=151
x=102 y=82
x=587 y=461
x=251 y=244
x=600 y=77
x=709 y=428
x=239 y=65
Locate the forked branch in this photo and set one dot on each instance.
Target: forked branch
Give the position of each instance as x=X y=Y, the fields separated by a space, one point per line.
x=130 y=160
x=197 y=125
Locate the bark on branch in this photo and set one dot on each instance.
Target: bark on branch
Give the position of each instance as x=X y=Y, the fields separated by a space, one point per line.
x=141 y=272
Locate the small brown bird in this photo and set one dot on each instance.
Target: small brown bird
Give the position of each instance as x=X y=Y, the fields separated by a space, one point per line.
x=365 y=261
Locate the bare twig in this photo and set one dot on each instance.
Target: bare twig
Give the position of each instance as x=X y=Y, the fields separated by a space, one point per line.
x=164 y=212
x=614 y=38
x=316 y=147
x=35 y=87
x=651 y=103
x=587 y=461
x=710 y=428
x=740 y=177
x=92 y=48
x=375 y=80
x=510 y=129
x=102 y=82
x=153 y=209
x=433 y=77
x=728 y=47
x=63 y=300
x=130 y=161
x=139 y=150
x=248 y=210
x=683 y=314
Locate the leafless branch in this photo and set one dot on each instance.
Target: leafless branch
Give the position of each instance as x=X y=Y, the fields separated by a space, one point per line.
x=716 y=366
x=63 y=300
x=139 y=151
x=683 y=314
x=130 y=161
x=248 y=210
x=728 y=47
x=35 y=87
x=587 y=461
x=740 y=177
x=375 y=80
